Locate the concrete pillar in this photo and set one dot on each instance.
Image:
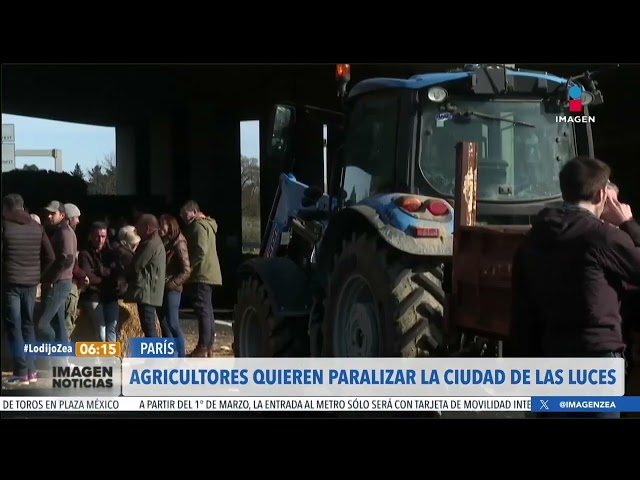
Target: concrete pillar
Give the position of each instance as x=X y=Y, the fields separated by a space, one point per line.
x=125 y=160
x=214 y=151
x=180 y=156
x=202 y=156
x=160 y=151
x=268 y=175
x=143 y=159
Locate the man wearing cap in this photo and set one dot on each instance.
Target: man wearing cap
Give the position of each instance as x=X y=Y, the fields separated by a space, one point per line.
x=80 y=280
x=56 y=285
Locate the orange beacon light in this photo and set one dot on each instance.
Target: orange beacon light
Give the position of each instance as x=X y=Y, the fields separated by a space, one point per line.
x=343 y=71
x=343 y=75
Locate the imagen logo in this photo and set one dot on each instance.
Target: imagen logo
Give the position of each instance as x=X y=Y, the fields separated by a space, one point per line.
x=576 y=103
x=575 y=99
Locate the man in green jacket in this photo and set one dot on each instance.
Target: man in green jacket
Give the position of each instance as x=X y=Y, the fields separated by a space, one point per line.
x=147 y=273
x=201 y=233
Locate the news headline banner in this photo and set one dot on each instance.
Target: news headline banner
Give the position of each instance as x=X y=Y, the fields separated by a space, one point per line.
x=392 y=377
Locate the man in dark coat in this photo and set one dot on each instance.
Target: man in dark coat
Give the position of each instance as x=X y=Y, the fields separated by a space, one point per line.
x=26 y=256
x=568 y=274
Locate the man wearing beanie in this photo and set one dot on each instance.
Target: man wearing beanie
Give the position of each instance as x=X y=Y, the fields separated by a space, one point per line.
x=79 y=278
x=73 y=215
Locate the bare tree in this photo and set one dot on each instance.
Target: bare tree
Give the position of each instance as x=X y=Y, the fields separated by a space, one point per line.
x=250 y=185
x=250 y=190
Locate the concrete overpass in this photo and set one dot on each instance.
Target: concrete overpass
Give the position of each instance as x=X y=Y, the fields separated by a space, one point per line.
x=178 y=126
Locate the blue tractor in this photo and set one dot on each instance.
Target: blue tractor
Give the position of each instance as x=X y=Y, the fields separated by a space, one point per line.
x=363 y=269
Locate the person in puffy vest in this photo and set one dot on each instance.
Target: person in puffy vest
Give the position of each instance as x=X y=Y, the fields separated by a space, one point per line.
x=27 y=256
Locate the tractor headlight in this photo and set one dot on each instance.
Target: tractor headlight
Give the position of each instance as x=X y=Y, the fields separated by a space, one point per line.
x=437 y=94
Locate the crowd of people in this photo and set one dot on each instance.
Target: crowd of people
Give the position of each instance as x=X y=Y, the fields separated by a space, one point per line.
x=148 y=263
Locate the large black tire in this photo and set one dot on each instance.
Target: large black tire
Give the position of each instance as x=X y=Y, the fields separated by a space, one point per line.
x=257 y=332
x=408 y=303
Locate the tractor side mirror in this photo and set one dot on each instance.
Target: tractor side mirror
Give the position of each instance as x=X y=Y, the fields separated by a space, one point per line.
x=280 y=146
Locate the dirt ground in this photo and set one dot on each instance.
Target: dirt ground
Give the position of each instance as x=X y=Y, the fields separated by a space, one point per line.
x=222 y=345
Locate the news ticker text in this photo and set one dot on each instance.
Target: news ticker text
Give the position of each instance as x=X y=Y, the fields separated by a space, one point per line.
x=279 y=404
x=323 y=404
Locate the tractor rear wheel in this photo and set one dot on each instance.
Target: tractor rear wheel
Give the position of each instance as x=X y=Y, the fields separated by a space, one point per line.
x=257 y=332
x=381 y=304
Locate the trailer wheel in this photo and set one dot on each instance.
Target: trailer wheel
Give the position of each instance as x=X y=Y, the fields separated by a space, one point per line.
x=257 y=332
x=379 y=304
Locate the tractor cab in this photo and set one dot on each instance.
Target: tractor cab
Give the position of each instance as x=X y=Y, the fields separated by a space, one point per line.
x=401 y=136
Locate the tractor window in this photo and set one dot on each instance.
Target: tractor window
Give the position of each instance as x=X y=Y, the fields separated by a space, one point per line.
x=370 y=147
x=516 y=162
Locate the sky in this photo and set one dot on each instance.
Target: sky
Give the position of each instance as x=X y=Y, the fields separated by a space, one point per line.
x=87 y=145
